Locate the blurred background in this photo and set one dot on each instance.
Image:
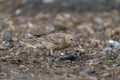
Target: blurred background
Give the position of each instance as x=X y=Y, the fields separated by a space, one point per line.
x=10 y=6
x=45 y=16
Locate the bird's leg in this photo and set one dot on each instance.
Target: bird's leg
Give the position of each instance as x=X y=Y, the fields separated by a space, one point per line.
x=50 y=59
x=51 y=52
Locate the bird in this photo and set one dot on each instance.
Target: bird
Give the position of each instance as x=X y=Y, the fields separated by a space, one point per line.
x=56 y=41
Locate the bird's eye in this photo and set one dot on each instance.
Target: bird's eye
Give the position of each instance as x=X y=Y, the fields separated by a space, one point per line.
x=71 y=39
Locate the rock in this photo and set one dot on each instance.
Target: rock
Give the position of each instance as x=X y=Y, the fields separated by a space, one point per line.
x=30 y=25
x=18 y=12
x=7 y=38
x=48 y=1
x=49 y=28
x=70 y=57
x=113 y=43
x=98 y=20
x=89 y=70
x=40 y=46
x=17 y=52
x=106 y=50
x=62 y=54
x=29 y=35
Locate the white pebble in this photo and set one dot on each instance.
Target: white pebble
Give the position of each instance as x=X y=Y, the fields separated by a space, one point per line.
x=113 y=43
x=18 y=12
x=50 y=27
x=30 y=25
x=67 y=15
x=62 y=54
x=40 y=46
x=98 y=20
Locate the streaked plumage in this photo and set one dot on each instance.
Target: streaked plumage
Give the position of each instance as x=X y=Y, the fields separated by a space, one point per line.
x=56 y=41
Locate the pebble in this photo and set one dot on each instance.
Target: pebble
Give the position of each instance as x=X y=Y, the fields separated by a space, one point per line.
x=92 y=60
x=30 y=25
x=70 y=57
x=28 y=35
x=113 y=43
x=7 y=38
x=67 y=15
x=46 y=16
x=48 y=1
x=18 y=12
x=61 y=54
x=17 y=52
x=107 y=50
x=98 y=20
x=89 y=70
x=60 y=18
x=49 y=27
x=40 y=46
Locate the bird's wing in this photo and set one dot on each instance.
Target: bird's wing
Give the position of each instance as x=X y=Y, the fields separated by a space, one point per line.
x=46 y=43
x=56 y=38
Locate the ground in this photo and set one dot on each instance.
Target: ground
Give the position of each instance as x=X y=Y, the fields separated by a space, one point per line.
x=22 y=57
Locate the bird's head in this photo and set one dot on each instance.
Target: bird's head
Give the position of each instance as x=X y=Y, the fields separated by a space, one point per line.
x=69 y=39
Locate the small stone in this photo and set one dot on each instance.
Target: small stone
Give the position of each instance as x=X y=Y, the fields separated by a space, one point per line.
x=107 y=50
x=60 y=17
x=61 y=54
x=7 y=38
x=70 y=57
x=48 y=1
x=18 y=12
x=113 y=43
x=67 y=16
x=40 y=46
x=92 y=60
x=28 y=35
x=30 y=25
x=46 y=16
x=49 y=27
x=89 y=71
x=18 y=52
x=98 y=20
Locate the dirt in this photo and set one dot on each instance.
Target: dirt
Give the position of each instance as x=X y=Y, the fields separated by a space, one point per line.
x=22 y=57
